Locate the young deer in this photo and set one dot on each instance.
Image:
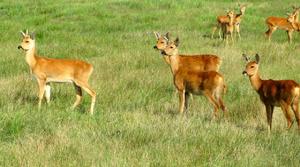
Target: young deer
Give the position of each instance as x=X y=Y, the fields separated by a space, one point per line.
x=281 y=23
x=204 y=62
x=228 y=27
x=187 y=80
x=48 y=70
x=283 y=93
x=224 y=19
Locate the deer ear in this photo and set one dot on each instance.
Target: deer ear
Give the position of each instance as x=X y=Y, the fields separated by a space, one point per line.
x=257 y=57
x=167 y=36
x=247 y=58
x=22 y=33
x=157 y=35
x=176 y=42
x=32 y=36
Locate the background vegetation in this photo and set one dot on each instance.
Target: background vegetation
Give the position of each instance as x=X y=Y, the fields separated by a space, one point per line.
x=136 y=122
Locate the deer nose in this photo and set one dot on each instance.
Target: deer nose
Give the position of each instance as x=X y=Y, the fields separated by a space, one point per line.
x=19 y=47
x=244 y=73
x=155 y=47
x=163 y=52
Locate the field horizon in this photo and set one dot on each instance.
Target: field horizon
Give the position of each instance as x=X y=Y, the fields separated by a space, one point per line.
x=136 y=120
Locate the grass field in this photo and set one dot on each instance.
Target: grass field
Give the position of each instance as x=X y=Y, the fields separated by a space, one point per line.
x=136 y=120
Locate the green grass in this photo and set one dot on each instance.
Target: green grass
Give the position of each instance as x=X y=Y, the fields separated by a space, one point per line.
x=136 y=122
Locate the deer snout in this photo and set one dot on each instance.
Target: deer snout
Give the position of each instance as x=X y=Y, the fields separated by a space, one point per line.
x=19 y=47
x=163 y=52
x=155 y=47
x=244 y=73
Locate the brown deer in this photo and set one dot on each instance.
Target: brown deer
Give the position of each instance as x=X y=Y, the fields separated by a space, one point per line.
x=203 y=62
x=48 y=70
x=186 y=80
x=228 y=27
x=223 y=19
x=275 y=23
x=283 y=93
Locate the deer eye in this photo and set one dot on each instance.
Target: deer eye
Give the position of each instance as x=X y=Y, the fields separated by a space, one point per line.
x=252 y=67
x=26 y=41
x=162 y=42
x=171 y=47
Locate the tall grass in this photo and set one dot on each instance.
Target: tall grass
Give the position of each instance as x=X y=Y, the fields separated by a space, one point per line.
x=136 y=122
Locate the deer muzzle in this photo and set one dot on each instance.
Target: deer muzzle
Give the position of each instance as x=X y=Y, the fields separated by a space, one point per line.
x=20 y=47
x=244 y=73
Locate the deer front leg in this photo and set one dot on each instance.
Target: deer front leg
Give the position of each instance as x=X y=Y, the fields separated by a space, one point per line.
x=181 y=94
x=290 y=33
x=42 y=85
x=269 y=112
x=48 y=92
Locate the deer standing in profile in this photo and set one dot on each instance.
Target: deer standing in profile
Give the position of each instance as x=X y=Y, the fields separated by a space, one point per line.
x=283 y=93
x=48 y=70
x=187 y=80
x=223 y=19
x=286 y=24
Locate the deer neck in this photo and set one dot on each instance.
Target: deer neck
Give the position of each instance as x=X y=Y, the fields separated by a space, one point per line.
x=231 y=19
x=174 y=63
x=30 y=57
x=255 y=81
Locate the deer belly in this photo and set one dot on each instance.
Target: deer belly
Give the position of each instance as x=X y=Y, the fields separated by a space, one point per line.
x=60 y=80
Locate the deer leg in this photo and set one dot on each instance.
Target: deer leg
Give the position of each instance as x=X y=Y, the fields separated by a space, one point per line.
x=48 y=92
x=270 y=32
x=78 y=96
x=269 y=112
x=237 y=30
x=213 y=101
x=186 y=103
x=290 y=33
x=295 y=108
x=181 y=100
x=91 y=92
x=213 y=32
x=286 y=110
x=42 y=85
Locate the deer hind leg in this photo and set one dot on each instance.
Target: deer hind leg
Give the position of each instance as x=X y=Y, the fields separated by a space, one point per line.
x=213 y=31
x=90 y=91
x=42 y=85
x=48 y=92
x=286 y=110
x=295 y=108
x=270 y=32
x=78 y=96
x=269 y=112
x=213 y=101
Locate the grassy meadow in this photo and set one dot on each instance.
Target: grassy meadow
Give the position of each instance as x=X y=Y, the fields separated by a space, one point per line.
x=136 y=120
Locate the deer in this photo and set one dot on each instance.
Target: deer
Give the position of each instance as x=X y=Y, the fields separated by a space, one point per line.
x=47 y=70
x=201 y=62
x=188 y=81
x=286 y=24
x=274 y=93
x=223 y=19
x=228 y=27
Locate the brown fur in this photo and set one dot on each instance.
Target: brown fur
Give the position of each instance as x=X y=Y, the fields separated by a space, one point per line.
x=188 y=80
x=286 y=24
x=224 y=19
x=202 y=62
x=48 y=70
x=283 y=93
